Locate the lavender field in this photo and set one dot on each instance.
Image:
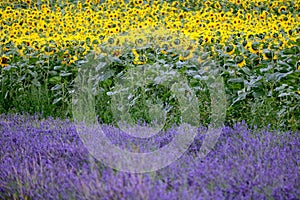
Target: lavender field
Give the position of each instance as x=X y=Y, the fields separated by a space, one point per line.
x=45 y=159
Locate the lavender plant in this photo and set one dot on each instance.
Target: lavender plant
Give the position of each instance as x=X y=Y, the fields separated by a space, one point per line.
x=45 y=159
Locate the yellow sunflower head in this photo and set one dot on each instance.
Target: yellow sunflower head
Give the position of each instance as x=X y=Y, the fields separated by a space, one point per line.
x=4 y=61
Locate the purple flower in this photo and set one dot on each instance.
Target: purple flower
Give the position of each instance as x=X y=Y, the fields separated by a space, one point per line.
x=45 y=159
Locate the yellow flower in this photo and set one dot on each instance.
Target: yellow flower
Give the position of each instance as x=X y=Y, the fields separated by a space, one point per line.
x=4 y=61
x=242 y=64
x=240 y=60
x=90 y=19
x=253 y=47
x=135 y=53
x=238 y=2
x=229 y=49
x=71 y=61
x=282 y=9
x=265 y=57
x=140 y=60
x=163 y=51
x=75 y=58
x=185 y=55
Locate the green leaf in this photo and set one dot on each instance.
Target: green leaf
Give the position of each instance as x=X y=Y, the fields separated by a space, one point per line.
x=241 y=96
x=35 y=82
x=106 y=75
x=246 y=70
x=57 y=67
x=33 y=60
x=282 y=63
x=288 y=51
x=280 y=88
x=55 y=101
x=270 y=66
x=279 y=75
x=236 y=80
x=284 y=94
x=56 y=87
x=259 y=93
x=65 y=74
x=55 y=79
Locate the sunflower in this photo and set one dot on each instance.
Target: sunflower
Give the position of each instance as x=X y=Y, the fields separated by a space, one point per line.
x=140 y=60
x=135 y=53
x=207 y=38
x=4 y=61
x=282 y=9
x=253 y=47
x=242 y=64
x=238 y=2
x=240 y=60
x=164 y=47
x=185 y=55
x=229 y=49
x=268 y=54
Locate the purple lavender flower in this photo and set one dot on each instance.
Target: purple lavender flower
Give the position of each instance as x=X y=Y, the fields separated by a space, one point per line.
x=45 y=159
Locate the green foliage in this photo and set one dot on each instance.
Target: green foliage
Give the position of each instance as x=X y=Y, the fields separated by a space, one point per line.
x=262 y=92
x=267 y=93
x=37 y=84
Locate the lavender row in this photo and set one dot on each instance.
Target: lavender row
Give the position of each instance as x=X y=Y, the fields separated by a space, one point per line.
x=45 y=159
